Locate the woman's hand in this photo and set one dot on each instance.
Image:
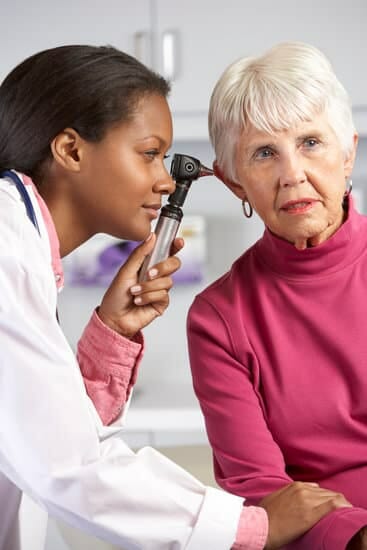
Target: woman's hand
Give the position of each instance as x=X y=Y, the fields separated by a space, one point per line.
x=359 y=541
x=128 y=306
x=296 y=508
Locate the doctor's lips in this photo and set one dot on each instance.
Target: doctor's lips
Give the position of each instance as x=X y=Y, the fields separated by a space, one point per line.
x=153 y=209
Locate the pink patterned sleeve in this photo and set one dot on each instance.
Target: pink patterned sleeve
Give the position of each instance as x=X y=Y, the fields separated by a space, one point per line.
x=109 y=365
x=253 y=527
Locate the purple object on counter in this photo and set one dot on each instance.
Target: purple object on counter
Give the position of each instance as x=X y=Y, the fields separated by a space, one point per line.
x=109 y=261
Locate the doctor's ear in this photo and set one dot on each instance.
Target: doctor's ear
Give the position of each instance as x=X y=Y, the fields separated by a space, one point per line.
x=236 y=188
x=66 y=149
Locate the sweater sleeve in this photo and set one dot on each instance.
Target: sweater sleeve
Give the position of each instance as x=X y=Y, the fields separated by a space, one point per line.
x=247 y=460
x=109 y=365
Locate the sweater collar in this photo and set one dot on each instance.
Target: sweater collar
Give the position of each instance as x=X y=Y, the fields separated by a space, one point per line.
x=339 y=250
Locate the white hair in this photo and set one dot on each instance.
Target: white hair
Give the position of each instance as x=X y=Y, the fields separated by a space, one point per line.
x=290 y=83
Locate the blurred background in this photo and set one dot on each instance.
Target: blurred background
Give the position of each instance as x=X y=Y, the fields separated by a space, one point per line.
x=190 y=43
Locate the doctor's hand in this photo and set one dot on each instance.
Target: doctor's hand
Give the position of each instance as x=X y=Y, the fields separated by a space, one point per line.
x=128 y=306
x=296 y=508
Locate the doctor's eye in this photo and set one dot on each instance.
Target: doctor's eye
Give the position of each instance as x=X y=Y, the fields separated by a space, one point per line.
x=151 y=154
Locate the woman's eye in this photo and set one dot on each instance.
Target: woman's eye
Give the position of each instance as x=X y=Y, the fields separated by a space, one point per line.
x=263 y=153
x=310 y=142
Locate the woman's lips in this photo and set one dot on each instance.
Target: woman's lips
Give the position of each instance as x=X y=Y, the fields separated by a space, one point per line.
x=298 y=206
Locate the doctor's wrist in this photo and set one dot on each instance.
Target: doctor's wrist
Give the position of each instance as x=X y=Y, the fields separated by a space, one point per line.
x=111 y=325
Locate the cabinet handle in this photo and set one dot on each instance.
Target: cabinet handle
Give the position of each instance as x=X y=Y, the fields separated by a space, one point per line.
x=143 y=47
x=170 y=55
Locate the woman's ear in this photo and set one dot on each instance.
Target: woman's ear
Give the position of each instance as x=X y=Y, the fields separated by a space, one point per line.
x=66 y=149
x=349 y=161
x=236 y=188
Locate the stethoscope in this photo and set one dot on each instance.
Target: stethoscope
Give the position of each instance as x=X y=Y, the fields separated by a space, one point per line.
x=24 y=194
x=27 y=201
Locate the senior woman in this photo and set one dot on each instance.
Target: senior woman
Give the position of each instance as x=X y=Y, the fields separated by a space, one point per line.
x=278 y=345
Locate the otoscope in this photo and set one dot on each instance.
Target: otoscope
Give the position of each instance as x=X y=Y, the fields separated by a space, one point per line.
x=184 y=170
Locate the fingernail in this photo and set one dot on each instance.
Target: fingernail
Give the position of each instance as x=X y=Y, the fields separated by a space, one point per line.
x=153 y=272
x=149 y=237
x=135 y=289
x=137 y=300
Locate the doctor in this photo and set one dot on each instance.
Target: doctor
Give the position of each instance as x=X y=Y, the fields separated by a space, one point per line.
x=83 y=135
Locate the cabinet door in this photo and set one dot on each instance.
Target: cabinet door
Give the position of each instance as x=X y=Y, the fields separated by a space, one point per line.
x=212 y=34
x=30 y=26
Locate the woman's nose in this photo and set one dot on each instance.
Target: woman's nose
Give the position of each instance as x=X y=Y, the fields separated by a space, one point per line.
x=291 y=172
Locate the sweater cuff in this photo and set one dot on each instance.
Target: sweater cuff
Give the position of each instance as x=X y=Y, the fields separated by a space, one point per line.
x=109 y=366
x=253 y=528
x=115 y=350
x=345 y=524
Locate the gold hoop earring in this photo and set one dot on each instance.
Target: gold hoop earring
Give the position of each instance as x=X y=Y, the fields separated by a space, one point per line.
x=247 y=209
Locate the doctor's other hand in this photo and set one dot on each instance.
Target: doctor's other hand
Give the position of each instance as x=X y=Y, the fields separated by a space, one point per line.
x=128 y=306
x=359 y=541
x=296 y=508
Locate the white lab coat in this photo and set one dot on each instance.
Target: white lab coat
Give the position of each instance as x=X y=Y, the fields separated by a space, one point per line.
x=53 y=445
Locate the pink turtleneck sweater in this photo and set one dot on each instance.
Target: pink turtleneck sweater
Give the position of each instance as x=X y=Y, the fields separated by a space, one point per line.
x=278 y=351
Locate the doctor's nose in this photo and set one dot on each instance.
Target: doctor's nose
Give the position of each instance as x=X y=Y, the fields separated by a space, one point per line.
x=164 y=183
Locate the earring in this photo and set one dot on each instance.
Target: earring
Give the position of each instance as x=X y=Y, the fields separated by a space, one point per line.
x=247 y=209
x=347 y=192
x=349 y=187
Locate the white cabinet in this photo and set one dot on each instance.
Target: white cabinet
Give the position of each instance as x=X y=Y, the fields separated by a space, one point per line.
x=193 y=40
x=30 y=26
x=212 y=34
x=208 y=35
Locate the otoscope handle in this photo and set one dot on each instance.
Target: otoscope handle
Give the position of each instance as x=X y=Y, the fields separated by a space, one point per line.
x=165 y=230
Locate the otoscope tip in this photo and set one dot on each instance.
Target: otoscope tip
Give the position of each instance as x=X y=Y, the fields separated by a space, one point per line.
x=205 y=171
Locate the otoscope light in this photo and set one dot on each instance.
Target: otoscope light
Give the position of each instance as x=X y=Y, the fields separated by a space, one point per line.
x=184 y=170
